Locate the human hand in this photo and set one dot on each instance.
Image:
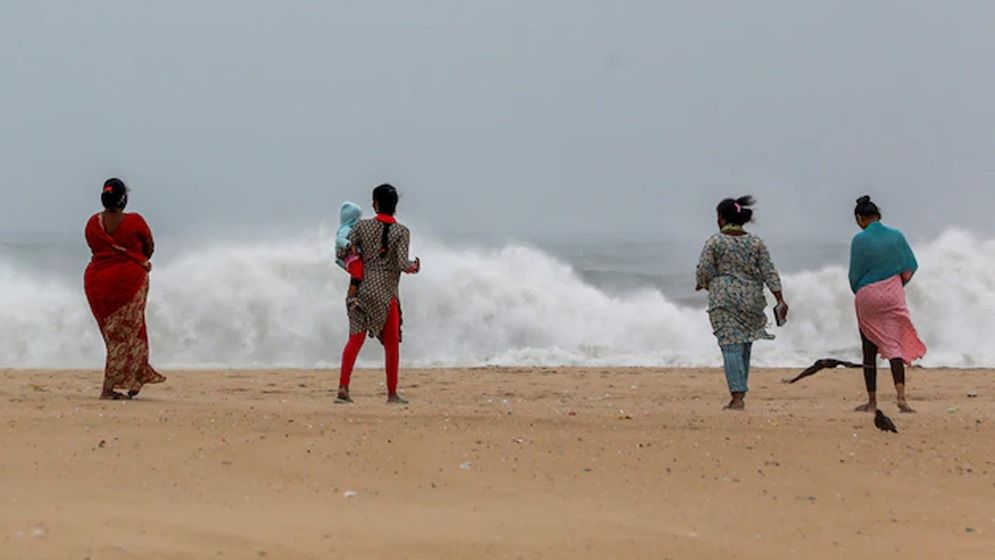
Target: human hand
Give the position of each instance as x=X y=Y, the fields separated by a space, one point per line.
x=781 y=313
x=414 y=267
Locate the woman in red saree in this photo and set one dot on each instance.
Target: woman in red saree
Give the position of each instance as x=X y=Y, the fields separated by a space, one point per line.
x=117 y=285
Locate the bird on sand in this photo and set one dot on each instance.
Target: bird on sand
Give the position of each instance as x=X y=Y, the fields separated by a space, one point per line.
x=884 y=423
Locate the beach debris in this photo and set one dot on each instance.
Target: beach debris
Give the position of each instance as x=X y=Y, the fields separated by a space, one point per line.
x=465 y=466
x=969 y=529
x=102 y=444
x=953 y=410
x=38 y=532
x=972 y=394
x=350 y=494
x=519 y=440
x=884 y=423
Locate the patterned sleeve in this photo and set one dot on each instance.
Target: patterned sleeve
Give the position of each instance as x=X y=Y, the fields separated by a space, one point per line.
x=355 y=243
x=707 y=267
x=767 y=269
x=403 y=245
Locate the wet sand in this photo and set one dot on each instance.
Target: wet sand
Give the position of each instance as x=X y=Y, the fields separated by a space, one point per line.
x=495 y=463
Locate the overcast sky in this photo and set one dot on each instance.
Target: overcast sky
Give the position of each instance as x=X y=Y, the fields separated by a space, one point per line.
x=503 y=117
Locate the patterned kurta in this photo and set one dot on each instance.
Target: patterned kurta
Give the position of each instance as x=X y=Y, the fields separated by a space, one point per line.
x=734 y=270
x=381 y=274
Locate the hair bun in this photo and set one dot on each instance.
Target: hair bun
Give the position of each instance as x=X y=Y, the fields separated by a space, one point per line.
x=864 y=199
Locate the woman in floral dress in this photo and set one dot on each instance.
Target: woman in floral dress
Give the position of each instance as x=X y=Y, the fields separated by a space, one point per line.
x=734 y=268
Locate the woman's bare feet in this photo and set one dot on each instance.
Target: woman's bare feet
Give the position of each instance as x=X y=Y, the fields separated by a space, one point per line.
x=343 y=397
x=735 y=404
x=113 y=396
x=396 y=399
x=869 y=407
x=903 y=406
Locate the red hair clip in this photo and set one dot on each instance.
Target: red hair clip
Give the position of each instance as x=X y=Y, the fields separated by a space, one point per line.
x=108 y=188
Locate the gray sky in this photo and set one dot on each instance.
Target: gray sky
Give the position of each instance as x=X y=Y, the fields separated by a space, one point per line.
x=513 y=117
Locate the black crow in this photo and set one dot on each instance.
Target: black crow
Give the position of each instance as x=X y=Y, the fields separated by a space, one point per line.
x=884 y=423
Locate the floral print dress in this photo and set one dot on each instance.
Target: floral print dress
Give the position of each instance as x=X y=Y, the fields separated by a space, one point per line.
x=734 y=270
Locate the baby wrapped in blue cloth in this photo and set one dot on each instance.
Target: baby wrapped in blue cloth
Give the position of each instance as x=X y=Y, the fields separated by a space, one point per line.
x=347 y=256
x=349 y=216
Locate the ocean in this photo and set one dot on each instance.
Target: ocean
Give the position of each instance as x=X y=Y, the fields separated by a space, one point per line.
x=279 y=303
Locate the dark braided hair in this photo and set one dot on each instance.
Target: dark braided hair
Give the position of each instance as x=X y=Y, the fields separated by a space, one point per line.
x=115 y=194
x=386 y=197
x=736 y=211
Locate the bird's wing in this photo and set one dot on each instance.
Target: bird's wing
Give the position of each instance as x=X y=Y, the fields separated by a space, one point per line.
x=825 y=363
x=818 y=366
x=809 y=371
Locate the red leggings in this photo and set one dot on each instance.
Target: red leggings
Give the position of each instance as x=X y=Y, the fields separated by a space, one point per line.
x=391 y=337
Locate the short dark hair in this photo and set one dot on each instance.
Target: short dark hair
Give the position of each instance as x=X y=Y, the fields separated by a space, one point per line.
x=115 y=194
x=867 y=209
x=385 y=196
x=736 y=211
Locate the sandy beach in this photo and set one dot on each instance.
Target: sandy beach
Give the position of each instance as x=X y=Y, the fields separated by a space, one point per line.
x=495 y=463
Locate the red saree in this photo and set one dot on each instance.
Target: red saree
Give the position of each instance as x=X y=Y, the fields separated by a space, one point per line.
x=117 y=285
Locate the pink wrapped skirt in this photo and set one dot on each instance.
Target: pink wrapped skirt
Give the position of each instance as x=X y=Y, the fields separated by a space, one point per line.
x=883 y=316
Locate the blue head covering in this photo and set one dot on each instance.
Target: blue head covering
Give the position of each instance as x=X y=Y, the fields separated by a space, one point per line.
x=349 y=216
x=878 y=253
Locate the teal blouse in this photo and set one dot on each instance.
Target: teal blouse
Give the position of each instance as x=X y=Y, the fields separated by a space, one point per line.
x=878 y=253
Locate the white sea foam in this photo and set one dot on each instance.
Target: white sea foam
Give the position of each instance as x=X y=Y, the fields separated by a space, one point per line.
x=281 y=304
